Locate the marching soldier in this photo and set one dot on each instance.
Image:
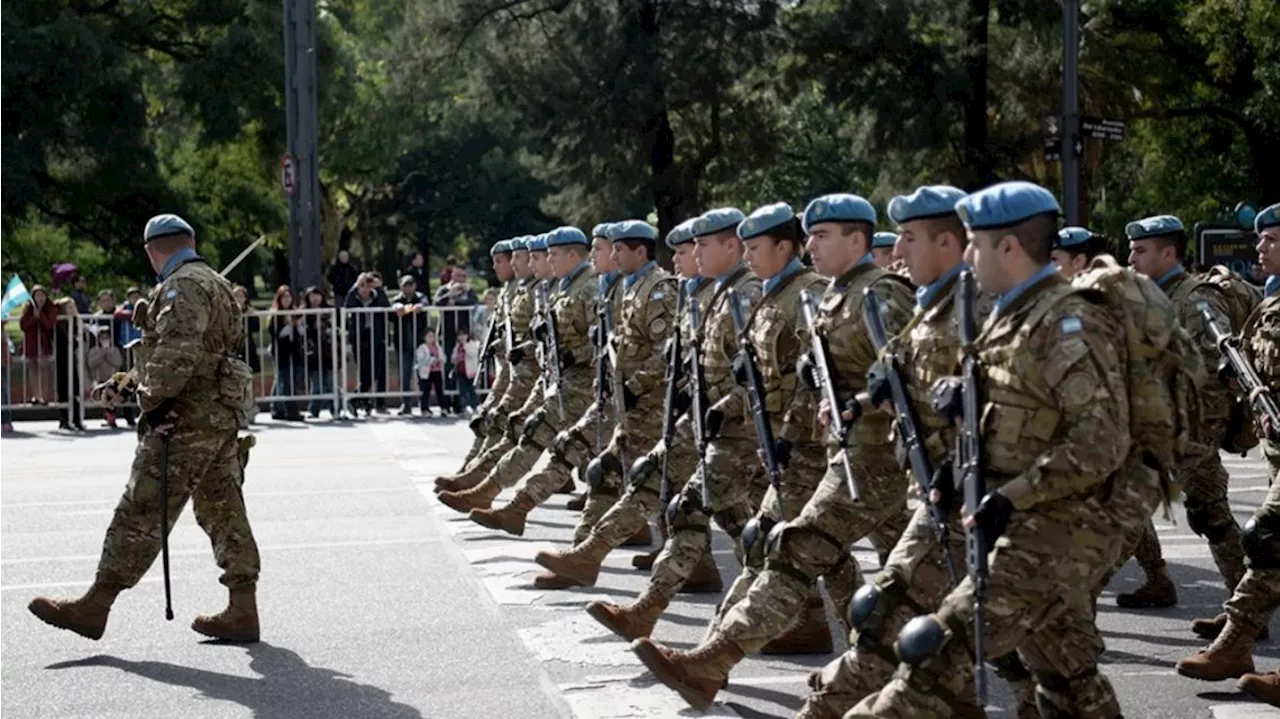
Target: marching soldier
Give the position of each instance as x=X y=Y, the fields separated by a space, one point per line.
x=801 y=548
x=501 y=254
x=735 y=482
x=195 y=396
x=882 y=249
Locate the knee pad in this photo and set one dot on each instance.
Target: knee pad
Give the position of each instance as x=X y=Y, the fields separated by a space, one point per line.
x=1063 y=697
x=1200 y=520
x=754 y=537
x=530 y=426
x=558 y=448
x=920 y=640
x=642 y=470
x=599 y=468
x=864 y=603
x=1260 y=539
x=673 y=511
x=873 y=602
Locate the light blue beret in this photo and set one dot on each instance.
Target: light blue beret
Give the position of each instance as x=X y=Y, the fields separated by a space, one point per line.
x=927 y=201
x=717 y=220
x=500 y=247
x=764 y=219
x=538 y=243
x=631 y=230
x=1071 y=237
x=165 y=225
x=1269 y=217
x=841 y=207
x=883 y=239
x=1005 y=204
x=601 y=230
x=566 y=236
x=680 y=234
x=1153 y=227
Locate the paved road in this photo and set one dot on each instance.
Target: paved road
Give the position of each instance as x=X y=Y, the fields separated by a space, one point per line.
x=379 y=602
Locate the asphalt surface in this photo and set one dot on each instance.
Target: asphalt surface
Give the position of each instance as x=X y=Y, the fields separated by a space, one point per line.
x=379 y=602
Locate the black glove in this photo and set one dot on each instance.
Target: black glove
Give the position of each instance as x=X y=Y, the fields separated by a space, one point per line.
x=1227 y=373
x=160 y=415
x=682 y=402
x=782 y=453
x=993 y=515
x=629 y=398
x=947 y=397
x=515 y=356
x=878 y=383
x=740 y=370
x=567 y=360
x=943 y=481
x=712 y=423
x=539 y=329
x=594 y=333
x=807 y=370
x=854 y=408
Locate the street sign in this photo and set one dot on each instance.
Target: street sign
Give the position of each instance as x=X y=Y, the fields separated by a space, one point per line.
x=1218 y=244
x=1102 y=129
x=288 y=173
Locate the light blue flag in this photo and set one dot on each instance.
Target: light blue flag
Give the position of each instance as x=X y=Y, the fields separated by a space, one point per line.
x=15 y=295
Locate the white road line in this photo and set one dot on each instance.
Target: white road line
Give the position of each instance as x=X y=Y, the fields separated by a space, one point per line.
x=267 y=548
x=1251 y=710
x=110 y=503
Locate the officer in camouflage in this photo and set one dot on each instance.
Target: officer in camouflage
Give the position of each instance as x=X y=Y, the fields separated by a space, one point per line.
x=765 y=600
x=735 y=481
x=1055 y=438
x=482 y=422
x=1254 y=602
x=521 y=377
x=195 y=396
x=581 y=564
x=1157 y=246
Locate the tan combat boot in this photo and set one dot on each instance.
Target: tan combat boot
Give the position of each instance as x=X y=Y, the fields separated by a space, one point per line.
x=633 y=621
x=1210 y=627
x=581 y=563
x=1229 y=657
x=86 y=616
x=465 y=478
x=697 y=675
x=577 y=503
x=1158 y=592
x=478 y=497
x=642 y=538
x=237 y=623
x=509 y=518
x=644 y=562
x=567 y=488
x=810 y=636
x=1262 y=686
x=705 y=578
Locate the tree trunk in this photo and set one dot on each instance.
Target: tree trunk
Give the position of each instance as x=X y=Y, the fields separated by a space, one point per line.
x=979 y=167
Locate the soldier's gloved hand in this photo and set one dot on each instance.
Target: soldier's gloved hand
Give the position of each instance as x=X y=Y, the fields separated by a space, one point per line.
x=878 y=384
x=942 y=488
x=1227 y=375
x=161 y=419
x=515 y=356
x=782 y=453
x=807 y=370
x=992 y=516
x=850 y=411
x=740 y=370
x=539 y=329
x=629 y=398
x=567 y=360
x=682 y=402
x=593 y=332
x=713 y=423
x=140 y=313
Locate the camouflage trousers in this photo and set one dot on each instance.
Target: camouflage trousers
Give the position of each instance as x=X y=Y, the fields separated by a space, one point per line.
x=1256 y=596
x=497 y=440
x=501 y=380
x=815 y=542
x=514 y=469
x=736 y=485
x=640 y=429
x=205 y=467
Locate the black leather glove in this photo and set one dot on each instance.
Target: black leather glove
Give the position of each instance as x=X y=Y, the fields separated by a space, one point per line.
x=160 y=416
x=713 y=423
x=567 y=360
x=515 y=356
x=878 y=383
x=539 y=329
x=854 y=408
x=807 y=370
x=629 y=398
x=944 y=483
x=594 y=333
x=782 y=453
x=682 y=402
x=993 y=515
x=740 y=370
x=947 y=397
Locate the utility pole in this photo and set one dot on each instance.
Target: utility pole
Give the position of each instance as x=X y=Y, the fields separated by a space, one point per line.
x=301 y=113
x=1072 y=142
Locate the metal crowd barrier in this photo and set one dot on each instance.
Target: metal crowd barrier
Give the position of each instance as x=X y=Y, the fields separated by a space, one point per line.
x=326 y=359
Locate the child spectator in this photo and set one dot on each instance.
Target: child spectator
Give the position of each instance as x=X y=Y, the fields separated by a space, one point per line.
x=428 y=361
x=104 y=359
x=466 y=363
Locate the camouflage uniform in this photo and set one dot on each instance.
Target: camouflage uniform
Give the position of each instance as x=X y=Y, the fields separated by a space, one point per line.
x=495 y=345
x=816 y=542
x=1056 y=416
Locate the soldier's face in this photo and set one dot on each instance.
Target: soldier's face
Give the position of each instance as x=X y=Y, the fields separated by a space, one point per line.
x=628 y=259
x=1068 y=264
x=882 y=257
x=987 y=253
x=563 y=260
x=833 y=251
x=919 y=252
x=520 y=263
x=602 y=255
x=765 y=256
x=541 y=267
x=1269 y=250
x=502 y=266
x=1149 y=258
x=715 y=254
x=685 y=264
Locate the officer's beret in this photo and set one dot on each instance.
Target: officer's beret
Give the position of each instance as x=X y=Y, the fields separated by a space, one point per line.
x=500 y=247
x=1269 y=217
x=631 y=230
x=166 y=225
x=566 y=236
x=883 y=239
x=1157 y=226
x=680 y=234
x=1069 y=238
x=1005 y=204
x=717 y=220
x=538 y=243
x=841 y=207
x=927 y=201
x=601 y=230
x=764 y=219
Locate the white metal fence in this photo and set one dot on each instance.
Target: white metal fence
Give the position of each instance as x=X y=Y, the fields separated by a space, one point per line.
x=305 y=361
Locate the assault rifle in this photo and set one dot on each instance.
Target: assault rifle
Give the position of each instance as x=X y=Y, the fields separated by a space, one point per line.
x=1258 y=394
x=619 y=395
x=904 y=417
x=756 y=398
x=669 y=415
x=698 y=406
x=822 y=374
x=604 y=313
x=552 y=365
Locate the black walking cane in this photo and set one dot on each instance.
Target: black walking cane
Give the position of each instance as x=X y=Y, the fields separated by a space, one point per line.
x=164 y=524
